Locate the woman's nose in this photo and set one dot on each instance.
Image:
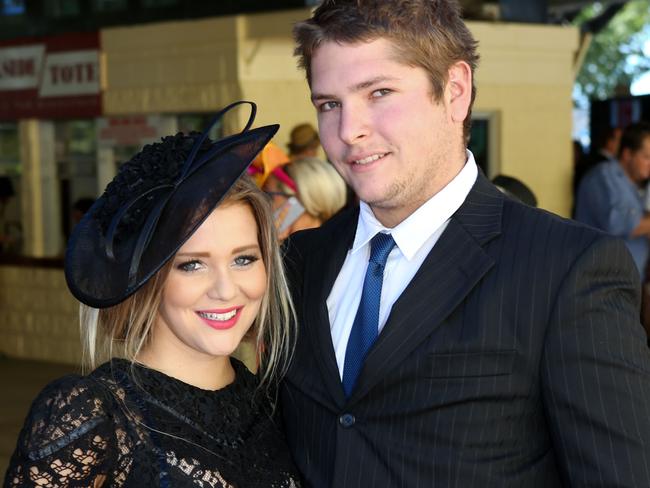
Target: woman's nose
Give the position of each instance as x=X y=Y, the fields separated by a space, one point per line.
x=223 y=287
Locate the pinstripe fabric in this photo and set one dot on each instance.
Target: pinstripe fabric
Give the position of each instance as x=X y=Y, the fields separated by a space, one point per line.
x=514 y=358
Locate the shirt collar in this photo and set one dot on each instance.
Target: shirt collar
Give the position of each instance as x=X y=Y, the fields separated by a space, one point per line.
x=411 y=234
x=607 y=155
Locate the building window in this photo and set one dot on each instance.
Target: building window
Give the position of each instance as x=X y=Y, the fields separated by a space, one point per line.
x=483 y=142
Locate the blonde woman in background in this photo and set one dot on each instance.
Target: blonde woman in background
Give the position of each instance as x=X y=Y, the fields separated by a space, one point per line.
x=175 y=264
x=305 y=195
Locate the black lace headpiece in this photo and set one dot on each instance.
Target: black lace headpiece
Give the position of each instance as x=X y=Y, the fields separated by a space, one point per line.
x=154 y=204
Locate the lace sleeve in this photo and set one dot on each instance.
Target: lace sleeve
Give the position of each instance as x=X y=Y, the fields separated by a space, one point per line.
x=67 y=439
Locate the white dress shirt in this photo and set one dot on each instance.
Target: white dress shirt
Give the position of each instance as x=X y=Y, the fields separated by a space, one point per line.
x=414 y=239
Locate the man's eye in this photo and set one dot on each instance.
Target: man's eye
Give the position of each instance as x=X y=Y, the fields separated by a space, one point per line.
x=189 y=266
x=327 y=106
x=381 y=92
x=245 y=260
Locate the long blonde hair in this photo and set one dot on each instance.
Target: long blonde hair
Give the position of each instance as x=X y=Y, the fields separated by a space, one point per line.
x=124 y=329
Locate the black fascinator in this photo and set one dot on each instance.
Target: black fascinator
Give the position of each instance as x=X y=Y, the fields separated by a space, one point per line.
x=154 y=204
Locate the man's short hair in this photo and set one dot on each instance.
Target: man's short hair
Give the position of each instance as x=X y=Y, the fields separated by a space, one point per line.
x=426 y=33
x=633 y=137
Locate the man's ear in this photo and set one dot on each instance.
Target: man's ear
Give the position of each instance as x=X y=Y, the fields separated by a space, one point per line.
x=458 y=92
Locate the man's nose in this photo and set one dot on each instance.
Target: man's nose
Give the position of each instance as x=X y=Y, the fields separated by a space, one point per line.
x=354 y=123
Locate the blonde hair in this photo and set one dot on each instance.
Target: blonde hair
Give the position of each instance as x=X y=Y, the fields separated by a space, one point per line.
x=321 y=190
x=125 y=328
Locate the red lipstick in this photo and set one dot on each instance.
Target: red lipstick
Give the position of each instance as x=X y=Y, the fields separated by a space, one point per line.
x=220 y=319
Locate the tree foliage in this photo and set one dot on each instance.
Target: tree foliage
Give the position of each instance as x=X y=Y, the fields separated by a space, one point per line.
x=615 y=57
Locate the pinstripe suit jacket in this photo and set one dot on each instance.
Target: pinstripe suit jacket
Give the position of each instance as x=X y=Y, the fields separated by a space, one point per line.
x=514 y=358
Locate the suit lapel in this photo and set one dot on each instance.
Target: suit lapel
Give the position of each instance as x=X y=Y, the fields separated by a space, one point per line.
x=321 y=269
x=451 y=270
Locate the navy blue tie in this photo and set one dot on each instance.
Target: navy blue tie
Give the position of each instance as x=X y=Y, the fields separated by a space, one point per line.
x=366 y=323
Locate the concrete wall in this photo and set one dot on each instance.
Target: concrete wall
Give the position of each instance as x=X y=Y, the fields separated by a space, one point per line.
x=170 y=67
x=203 y=65
x=268 y=71
x=525 y=76
x=38 y=316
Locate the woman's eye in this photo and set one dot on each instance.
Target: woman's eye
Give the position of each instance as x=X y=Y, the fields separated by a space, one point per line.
x=189 y=266
x=245 y=260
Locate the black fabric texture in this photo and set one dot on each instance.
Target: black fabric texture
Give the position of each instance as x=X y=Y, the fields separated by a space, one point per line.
x=126 y=425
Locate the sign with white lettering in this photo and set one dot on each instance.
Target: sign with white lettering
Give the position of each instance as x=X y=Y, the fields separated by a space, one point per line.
x=55 y=77
x=20 y=67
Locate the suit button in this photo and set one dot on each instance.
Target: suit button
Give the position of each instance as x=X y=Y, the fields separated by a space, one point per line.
x=347 y=420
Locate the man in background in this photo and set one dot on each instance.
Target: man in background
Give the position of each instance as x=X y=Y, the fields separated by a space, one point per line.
x=610 y=196
x=303 y=142
x=604 y=147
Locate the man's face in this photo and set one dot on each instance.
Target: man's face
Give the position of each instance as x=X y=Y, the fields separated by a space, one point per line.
x=638 y=162
x=381 y=127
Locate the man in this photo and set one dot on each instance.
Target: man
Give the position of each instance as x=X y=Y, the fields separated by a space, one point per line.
x=303 y=142
x=449 y=336
x=605 y=147
x=610 y=196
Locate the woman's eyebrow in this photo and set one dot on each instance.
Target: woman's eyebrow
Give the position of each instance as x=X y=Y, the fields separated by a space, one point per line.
x=236 y=250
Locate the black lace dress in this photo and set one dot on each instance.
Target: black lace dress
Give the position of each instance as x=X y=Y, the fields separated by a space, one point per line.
x=130 y=426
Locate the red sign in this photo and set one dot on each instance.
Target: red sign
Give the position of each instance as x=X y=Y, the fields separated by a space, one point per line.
x=55 y=77
x=129 y=130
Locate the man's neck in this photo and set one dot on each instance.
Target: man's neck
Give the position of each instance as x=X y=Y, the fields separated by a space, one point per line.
x=607 y=154
x=628 y=173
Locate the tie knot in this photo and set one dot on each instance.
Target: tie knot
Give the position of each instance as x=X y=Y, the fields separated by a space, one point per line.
x=380 y=247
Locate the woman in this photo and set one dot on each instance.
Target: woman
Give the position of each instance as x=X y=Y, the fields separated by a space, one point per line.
x=175 y=264
x=305 y=194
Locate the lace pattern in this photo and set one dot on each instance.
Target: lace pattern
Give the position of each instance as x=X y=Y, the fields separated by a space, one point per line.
x=126 y=425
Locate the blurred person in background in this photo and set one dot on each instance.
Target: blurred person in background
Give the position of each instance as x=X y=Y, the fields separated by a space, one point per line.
x=303 y=142
x=515 y=188
x=79 y=209
x=270 y=158
x=610 y=196
x=305 y=194
x=604 y=147
x=10 y=229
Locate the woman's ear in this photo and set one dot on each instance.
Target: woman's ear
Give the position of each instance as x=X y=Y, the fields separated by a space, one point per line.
x=458 y=91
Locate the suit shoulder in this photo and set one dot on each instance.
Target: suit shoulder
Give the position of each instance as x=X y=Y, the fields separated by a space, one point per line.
x=524 y=222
